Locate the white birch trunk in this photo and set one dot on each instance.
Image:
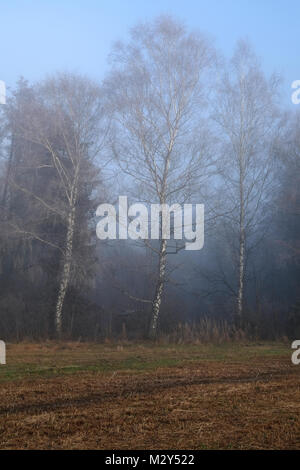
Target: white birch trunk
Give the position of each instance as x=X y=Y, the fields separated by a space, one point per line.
x=159 y=289
x=242 y=206
x=240 y=297
x=241 y=276
x=65 y=278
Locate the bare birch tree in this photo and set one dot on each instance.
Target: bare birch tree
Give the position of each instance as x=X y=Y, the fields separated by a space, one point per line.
x=157 y=94
x=248 y=121
x=64 y=121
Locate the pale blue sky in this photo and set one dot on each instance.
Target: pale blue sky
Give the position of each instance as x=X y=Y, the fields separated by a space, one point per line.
x=38 y=37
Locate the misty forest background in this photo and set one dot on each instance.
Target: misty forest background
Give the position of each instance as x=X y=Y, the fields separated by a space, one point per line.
x=172 y=122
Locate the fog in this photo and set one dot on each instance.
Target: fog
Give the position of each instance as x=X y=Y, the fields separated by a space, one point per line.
x=173 y=122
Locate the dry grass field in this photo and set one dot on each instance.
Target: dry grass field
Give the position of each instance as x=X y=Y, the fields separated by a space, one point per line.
x=141 y=396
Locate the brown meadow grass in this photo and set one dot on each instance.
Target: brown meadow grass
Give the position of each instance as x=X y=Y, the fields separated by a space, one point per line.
x=145 y=396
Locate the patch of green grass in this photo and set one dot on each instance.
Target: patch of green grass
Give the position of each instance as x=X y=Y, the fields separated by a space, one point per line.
x=29 y=361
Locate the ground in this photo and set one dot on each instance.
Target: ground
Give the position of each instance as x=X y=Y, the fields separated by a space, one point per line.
x=143 y=396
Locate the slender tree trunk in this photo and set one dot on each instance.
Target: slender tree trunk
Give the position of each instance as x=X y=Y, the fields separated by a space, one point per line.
x=242 y=209
x=241 y=276
x=240 y=297
x=65 y=278
x=159 y=289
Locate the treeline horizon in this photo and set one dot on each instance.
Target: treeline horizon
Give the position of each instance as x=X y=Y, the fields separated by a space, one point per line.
x=173 y=122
